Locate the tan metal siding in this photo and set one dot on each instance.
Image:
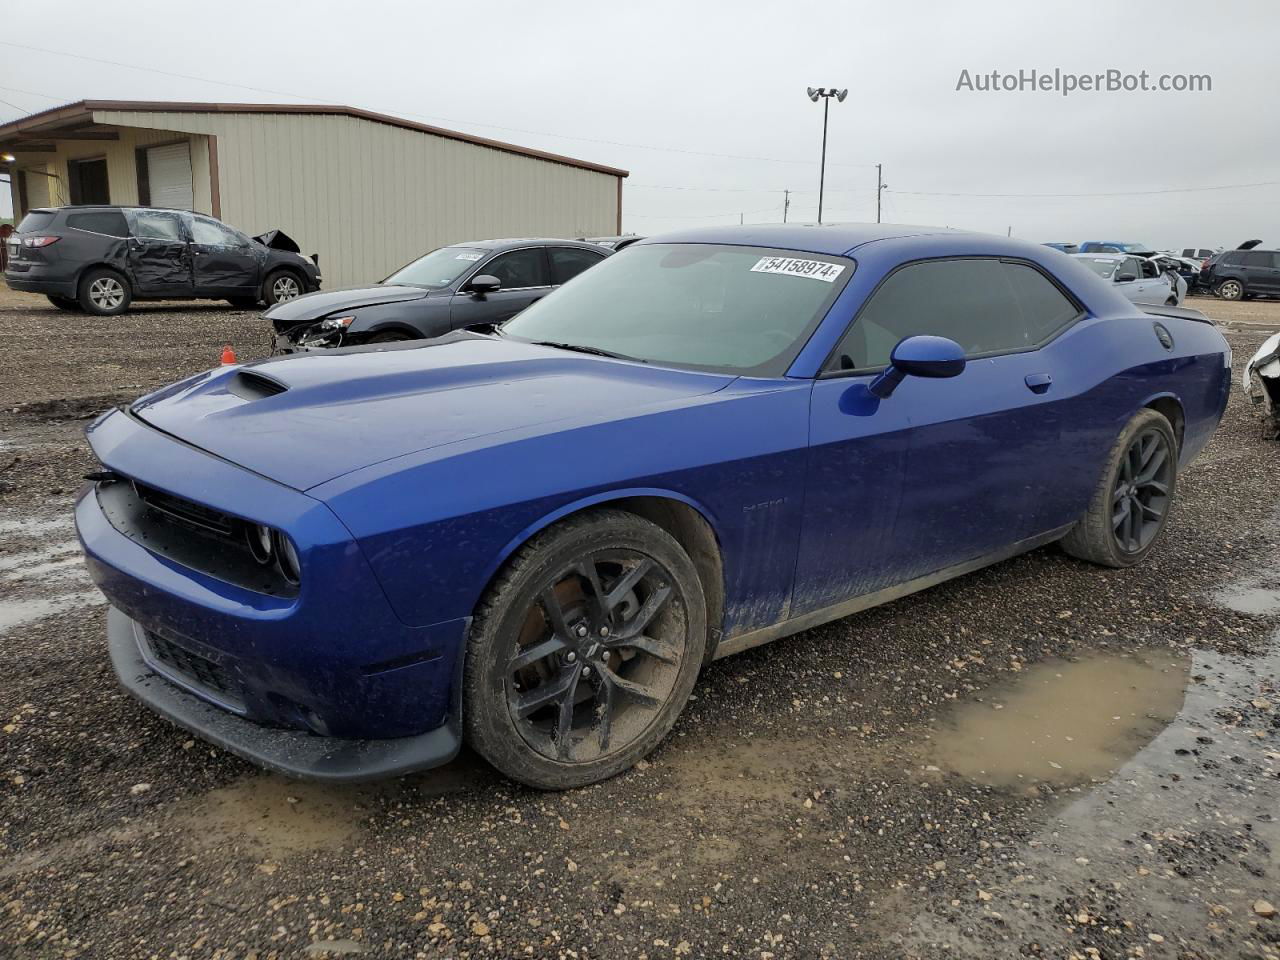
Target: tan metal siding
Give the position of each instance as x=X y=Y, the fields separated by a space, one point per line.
x=369 y=197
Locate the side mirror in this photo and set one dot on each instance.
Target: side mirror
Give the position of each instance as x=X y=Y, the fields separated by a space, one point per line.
x=484 y=283
x=1126 y=278
x=932 y=357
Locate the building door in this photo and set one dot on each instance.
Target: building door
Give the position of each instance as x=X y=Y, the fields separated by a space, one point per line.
x=168 y=177
x=88 y=180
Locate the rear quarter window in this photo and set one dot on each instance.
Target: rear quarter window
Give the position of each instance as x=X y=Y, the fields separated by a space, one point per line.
x=109 y=222
x=35 y=221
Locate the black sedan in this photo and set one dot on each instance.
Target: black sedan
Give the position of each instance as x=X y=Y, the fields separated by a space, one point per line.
x=463 y=285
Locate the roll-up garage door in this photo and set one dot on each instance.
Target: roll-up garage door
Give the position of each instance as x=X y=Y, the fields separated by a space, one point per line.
x=169 y=176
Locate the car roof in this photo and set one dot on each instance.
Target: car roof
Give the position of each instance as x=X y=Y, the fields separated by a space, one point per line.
x=869 y=240
x=522 y=242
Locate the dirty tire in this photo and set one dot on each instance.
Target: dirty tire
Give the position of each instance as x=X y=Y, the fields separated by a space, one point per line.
x=281 y=285
x=64 y=303
x=495 y=690
x=1231 y=290
x=389 y=336
x=1094 y=537
x=104 y=293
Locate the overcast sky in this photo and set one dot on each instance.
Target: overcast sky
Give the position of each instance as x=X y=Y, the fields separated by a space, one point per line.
x=704 y=102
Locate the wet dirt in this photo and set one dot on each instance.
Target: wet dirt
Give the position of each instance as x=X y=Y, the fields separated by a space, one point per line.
x=1063 y=721
x=815 y=800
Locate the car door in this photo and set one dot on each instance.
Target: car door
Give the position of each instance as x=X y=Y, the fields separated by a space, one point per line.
x=1260 y=273
x=159 y=253
x=1131 y=288
x=976 y=454
x=223 y=262
x=568 y=262
x=525 y=277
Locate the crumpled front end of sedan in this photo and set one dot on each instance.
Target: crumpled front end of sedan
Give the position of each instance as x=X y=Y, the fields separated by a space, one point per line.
x=243 y=610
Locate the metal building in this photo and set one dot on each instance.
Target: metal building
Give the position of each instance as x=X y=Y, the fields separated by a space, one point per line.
x=366 y=192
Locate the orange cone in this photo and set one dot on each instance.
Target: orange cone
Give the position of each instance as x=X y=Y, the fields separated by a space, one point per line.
x=228 y=355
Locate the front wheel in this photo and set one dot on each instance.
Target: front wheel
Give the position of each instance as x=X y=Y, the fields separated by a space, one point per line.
x=1131 y=503
x=104 y=293
x=584 y=651
x=281 y=286
x=1231 y=290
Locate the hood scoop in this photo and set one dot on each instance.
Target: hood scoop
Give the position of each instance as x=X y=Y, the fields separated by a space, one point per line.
x=249 y=385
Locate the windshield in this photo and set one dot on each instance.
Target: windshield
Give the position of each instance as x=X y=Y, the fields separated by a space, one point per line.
x=1131 y=247
x=439 y=268
x=1103 y=268
x=743 y=310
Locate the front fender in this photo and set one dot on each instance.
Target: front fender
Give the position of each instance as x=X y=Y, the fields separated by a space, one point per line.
x=418 y=318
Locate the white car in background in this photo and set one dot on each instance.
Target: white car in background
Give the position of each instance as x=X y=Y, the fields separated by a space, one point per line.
x=1138 y=278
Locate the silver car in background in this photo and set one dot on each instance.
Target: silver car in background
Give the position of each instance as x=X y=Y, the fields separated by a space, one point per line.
x=1138 y=278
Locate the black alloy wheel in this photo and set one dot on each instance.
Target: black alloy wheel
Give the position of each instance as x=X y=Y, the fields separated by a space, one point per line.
x=1140 y=500
x=599 y=655
x=584 y=650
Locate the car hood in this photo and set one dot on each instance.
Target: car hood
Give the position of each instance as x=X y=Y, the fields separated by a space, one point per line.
x=306 y=419
x=314 y=306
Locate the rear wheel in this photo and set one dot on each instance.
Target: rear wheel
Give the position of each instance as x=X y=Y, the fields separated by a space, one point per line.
x=584 y=651
x=281 y=286
x=64 y=303
x=1231 y=290
x=1131 y=503
x=105 y=293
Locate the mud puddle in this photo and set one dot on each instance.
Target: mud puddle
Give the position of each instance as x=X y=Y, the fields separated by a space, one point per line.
x=1062 y=721
x=15 y=612
x=1260 y=601
x=271 y=816
x=1171 y=856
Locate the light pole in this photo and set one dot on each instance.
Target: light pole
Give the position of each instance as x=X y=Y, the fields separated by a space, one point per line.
x=824 y=94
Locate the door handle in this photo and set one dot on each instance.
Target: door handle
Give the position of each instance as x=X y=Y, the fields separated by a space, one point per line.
x=1038 y=382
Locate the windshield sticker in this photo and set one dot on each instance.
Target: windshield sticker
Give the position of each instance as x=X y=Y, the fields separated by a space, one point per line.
x=469 y=256
x=813 y=269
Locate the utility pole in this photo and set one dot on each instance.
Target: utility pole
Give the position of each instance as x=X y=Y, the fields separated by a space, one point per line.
x=786 y=202
x=1009 y=232
x=879 y=190
x=824 y=94
x=740 y=220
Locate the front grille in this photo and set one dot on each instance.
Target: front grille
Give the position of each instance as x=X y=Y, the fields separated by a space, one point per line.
x=192 y=668
x=189 y=533
x=185 y=512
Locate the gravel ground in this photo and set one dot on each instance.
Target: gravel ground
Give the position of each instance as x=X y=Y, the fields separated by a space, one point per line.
x=849 y=792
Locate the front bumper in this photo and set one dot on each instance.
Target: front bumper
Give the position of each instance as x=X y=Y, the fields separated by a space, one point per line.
x=332 y=662
x=291 y=752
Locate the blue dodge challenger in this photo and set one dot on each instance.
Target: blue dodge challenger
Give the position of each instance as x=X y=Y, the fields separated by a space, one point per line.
x=532 y=537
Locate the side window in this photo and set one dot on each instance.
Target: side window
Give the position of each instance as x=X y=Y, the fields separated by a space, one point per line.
x=1045 y=308
x=1130 y=268
x=987 y=306
x=157 y=225
x=1232 y=257
x=1257 y=258
x=568 y=262
x=109 y=222
x=519 y=268
x=1149 y=269
x=213 y=234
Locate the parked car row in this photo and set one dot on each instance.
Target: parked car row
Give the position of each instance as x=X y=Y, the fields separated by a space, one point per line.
x=1245 y=272
x=101 y=258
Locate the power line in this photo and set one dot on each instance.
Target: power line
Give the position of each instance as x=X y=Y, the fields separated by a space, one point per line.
x=1068 y=196
x=406 y=113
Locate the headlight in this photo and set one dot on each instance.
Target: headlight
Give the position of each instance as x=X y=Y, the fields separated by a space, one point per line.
x=287 y=557
x=260 y=542
x=336 y=323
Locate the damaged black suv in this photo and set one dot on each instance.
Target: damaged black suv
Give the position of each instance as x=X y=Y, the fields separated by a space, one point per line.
x=101 y=258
